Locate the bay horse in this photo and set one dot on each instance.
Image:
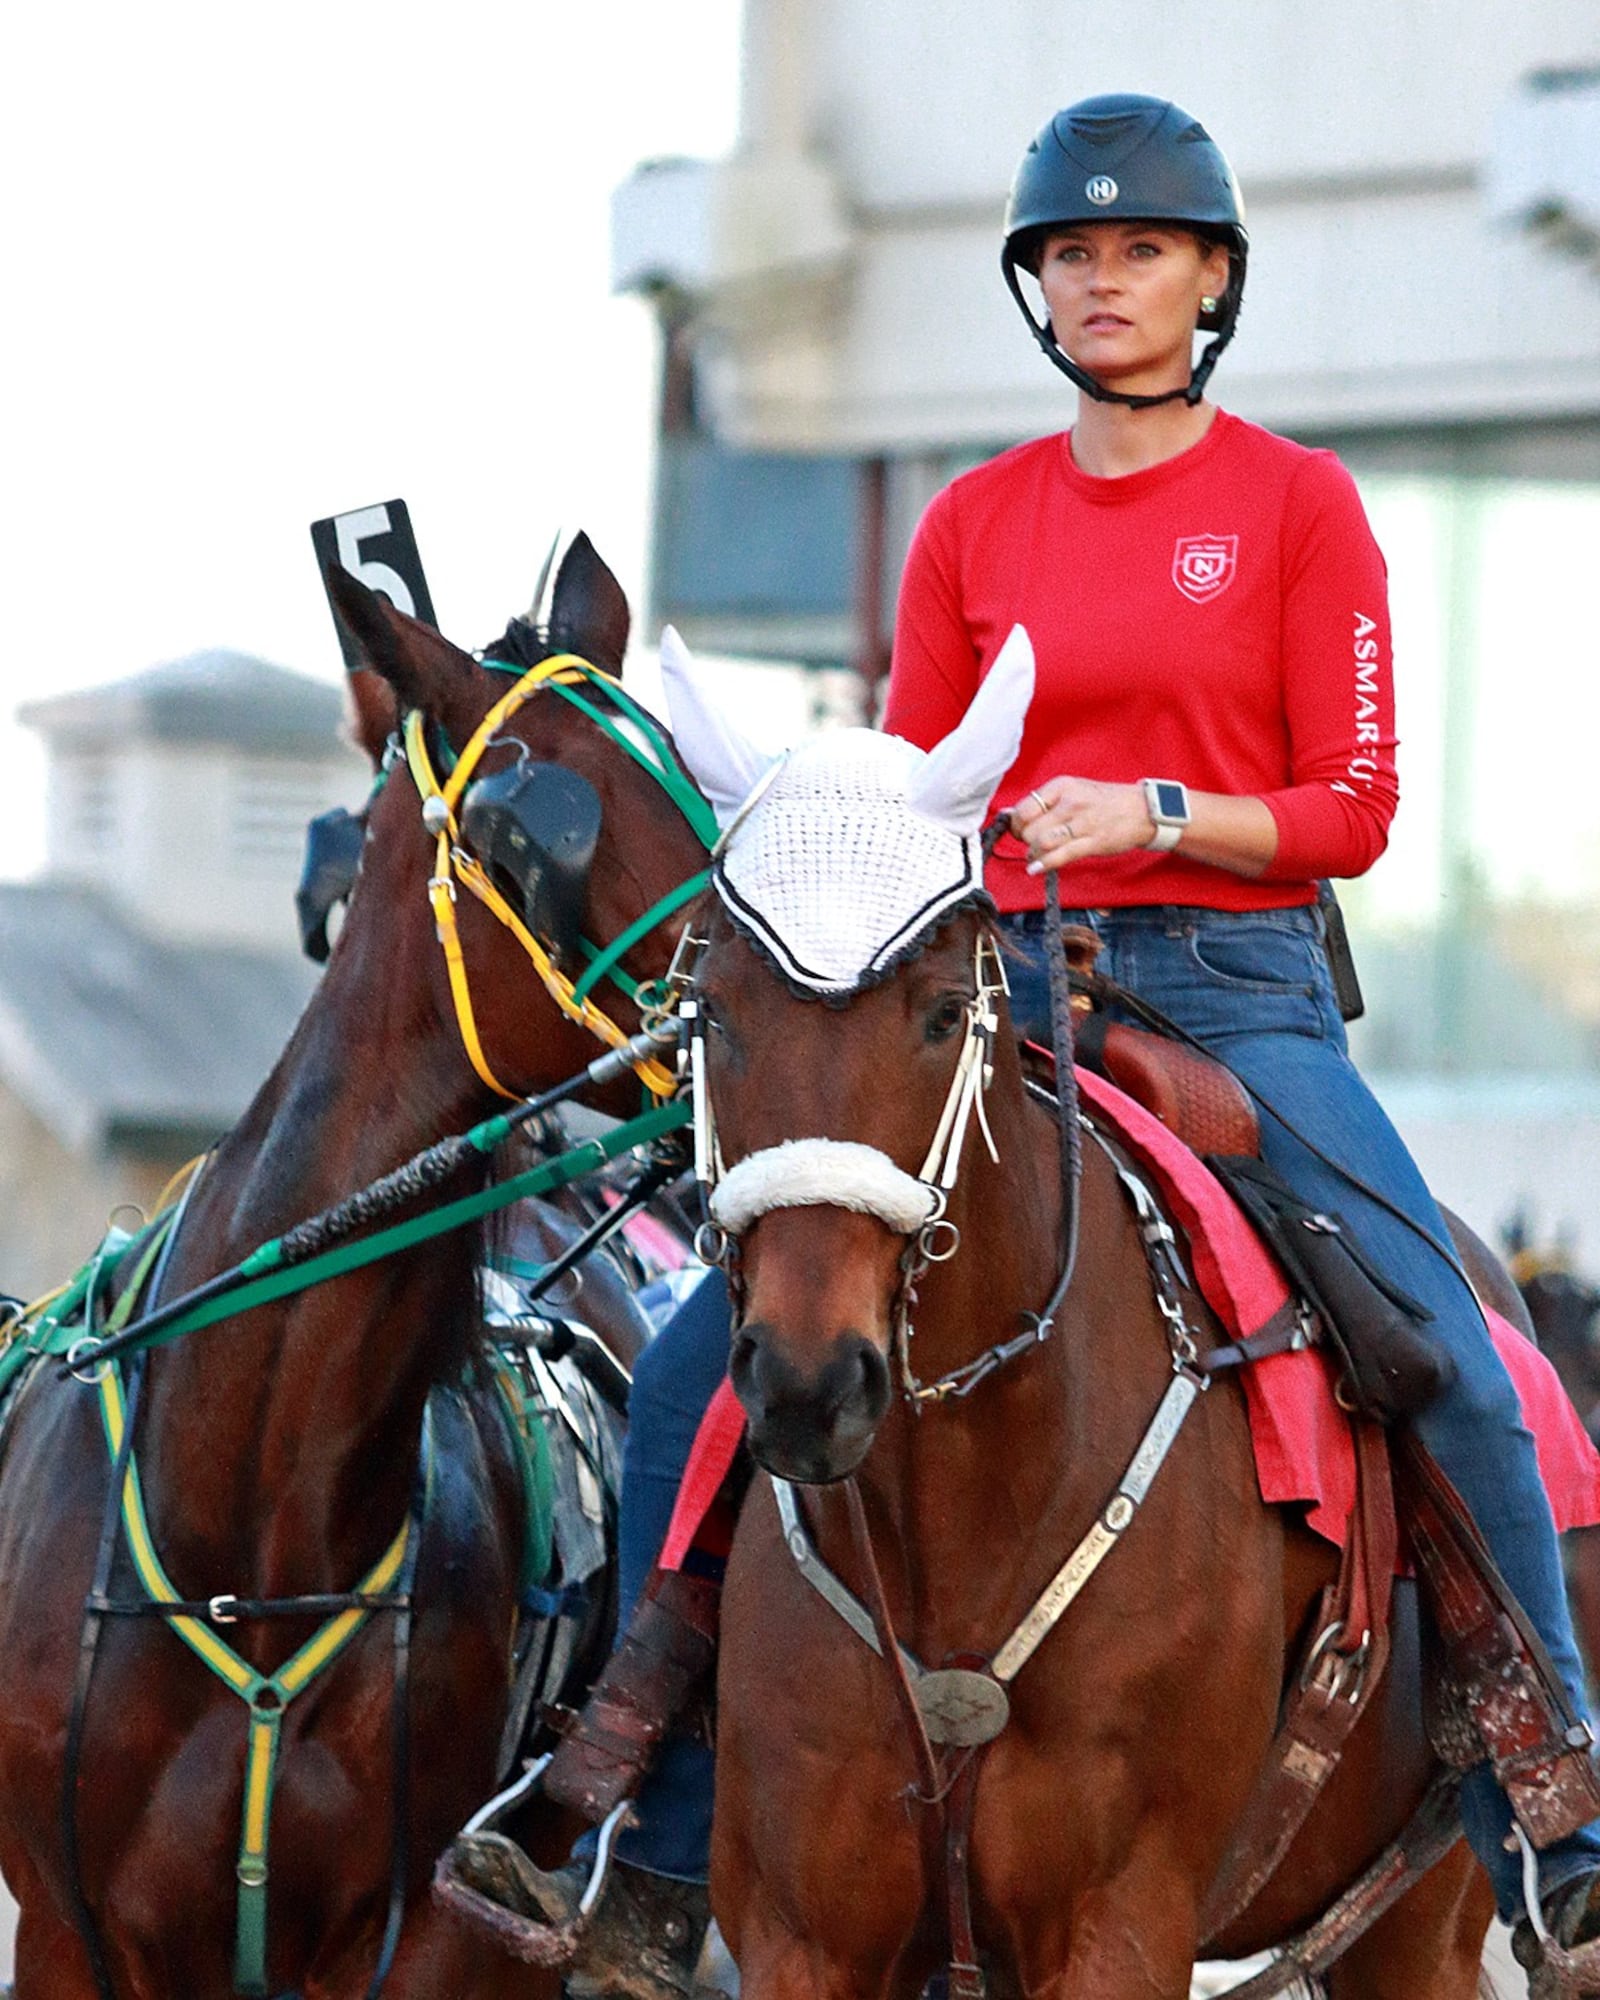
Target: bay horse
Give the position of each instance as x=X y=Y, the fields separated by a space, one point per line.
x=280 y=1451
x=1105 y=1804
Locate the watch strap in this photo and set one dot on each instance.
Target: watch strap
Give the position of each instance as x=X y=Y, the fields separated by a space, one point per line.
x=1169 y=826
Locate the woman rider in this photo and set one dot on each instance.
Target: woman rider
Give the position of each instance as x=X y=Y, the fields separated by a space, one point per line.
x=1211 y=736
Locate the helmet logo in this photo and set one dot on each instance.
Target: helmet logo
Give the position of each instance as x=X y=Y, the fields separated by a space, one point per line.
x=1102 y=190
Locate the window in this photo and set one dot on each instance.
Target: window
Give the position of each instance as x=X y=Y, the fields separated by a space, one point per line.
x=271 y=801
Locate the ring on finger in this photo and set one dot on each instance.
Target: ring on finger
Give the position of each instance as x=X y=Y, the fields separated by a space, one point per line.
x=1040 y=801
x=1066 y=828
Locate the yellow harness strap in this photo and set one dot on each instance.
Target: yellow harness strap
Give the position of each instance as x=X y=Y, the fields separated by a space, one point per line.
x=451 y=862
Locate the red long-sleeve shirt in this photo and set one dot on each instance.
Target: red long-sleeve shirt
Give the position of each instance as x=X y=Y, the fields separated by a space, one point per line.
x=1221 y=618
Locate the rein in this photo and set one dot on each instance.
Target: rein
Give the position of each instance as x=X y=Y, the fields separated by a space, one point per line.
x=297 y=1260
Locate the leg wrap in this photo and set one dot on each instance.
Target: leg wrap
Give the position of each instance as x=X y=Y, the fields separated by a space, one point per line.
x=663 y=1661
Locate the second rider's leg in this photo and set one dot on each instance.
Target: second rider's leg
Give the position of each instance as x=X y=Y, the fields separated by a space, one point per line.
x=643 y=1938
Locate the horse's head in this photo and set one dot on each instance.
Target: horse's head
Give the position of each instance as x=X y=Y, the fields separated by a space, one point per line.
x=542 y=817
x=848 y=1001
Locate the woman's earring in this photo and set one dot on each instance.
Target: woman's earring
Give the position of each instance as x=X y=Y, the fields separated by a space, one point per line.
x=1208 y=304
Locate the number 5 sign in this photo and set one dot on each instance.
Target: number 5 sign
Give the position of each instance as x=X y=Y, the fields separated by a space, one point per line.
x=376 y=545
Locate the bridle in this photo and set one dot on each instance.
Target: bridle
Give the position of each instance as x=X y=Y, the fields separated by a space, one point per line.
x=634 y=731
x=852 y=1175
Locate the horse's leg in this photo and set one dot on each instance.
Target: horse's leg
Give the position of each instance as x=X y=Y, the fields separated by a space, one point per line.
x=1429 y=1946
x=51 y=1963
x=775 y=1964
x=1130 y=1938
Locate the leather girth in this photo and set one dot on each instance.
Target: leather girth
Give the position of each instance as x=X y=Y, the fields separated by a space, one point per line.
x=1496 y=1668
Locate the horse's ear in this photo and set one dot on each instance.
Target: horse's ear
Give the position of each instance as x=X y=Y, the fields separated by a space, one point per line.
x=724 y=764
x=588 y=611
x=420 y=665
x=372 y=714
x=958 y=779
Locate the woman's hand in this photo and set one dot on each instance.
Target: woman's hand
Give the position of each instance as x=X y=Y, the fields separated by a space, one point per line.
x=1070 y=819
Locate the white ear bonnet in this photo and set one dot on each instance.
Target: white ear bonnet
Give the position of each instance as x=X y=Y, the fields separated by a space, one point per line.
x=839 y=857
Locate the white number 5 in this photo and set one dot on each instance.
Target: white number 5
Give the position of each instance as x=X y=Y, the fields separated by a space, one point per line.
x=364 y=525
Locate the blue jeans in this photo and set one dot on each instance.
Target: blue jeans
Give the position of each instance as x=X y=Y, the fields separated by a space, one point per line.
x=673 y=1380
x=1256 y=990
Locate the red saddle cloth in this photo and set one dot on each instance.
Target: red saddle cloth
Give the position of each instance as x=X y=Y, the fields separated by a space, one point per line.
x=1302 y=1442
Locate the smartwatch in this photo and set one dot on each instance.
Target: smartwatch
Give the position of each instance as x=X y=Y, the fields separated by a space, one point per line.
x=1167 y=803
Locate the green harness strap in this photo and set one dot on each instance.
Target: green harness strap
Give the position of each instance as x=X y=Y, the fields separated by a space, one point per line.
x=524 y=1410
x=265 y=1695
x=647 y=744
x=268 y=1695
x=262 y=1279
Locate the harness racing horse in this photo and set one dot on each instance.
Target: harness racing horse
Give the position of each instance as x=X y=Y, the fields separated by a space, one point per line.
x=338 y=1439
x=845 y=1032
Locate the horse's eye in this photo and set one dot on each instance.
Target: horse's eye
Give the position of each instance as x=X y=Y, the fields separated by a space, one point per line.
x=946 y=1017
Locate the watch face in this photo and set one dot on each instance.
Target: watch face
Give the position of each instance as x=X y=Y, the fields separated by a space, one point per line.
x=1172 y=801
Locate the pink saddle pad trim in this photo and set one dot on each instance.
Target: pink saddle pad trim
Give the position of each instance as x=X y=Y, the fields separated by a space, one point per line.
x=1302 y=1442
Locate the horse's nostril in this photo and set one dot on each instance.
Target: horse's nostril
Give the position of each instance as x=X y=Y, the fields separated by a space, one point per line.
x=873 y=1367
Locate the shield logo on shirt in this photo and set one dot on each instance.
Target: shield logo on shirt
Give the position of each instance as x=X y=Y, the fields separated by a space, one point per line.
x=1203 y=565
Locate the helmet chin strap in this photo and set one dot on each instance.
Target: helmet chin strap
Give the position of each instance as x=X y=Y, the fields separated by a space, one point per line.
x=1075 y=372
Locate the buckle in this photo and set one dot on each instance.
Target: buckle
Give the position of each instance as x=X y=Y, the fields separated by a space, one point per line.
x=1332 y=1670
x=224 y=1609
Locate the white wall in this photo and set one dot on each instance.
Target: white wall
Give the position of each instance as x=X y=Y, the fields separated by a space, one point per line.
x=181 y=860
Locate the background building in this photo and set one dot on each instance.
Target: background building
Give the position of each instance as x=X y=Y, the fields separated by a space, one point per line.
x=1423 y=188
x=150 y=976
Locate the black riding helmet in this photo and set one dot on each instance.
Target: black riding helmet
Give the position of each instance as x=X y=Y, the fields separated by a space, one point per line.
x=1126 y=158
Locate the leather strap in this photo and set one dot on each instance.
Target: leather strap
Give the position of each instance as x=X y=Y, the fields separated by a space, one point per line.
x=889 y=1648
x=965 y=1980
x=1539 y=1747
x=1434 y=1829
x=1291 y=1328
x=665 y=1657
x=1332 y=1687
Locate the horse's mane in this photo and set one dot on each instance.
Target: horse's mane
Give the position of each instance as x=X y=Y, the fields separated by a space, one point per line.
x=525 y=642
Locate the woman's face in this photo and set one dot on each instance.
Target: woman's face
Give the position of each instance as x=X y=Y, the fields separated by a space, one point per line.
x=1123 y=299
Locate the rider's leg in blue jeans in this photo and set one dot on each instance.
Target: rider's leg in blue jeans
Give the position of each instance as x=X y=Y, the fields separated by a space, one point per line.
x=1256 y=990
x=675 y=1378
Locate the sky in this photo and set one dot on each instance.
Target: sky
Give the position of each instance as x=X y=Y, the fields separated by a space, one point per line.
x=268 y=264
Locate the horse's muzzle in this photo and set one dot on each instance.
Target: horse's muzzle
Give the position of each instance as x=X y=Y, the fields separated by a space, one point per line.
x=811 y=1424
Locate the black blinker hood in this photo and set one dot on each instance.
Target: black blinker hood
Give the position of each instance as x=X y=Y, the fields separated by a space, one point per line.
x=333 y=854
x=535 y=827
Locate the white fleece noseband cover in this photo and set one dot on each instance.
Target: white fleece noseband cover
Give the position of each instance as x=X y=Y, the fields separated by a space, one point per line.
x=809 y=1173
